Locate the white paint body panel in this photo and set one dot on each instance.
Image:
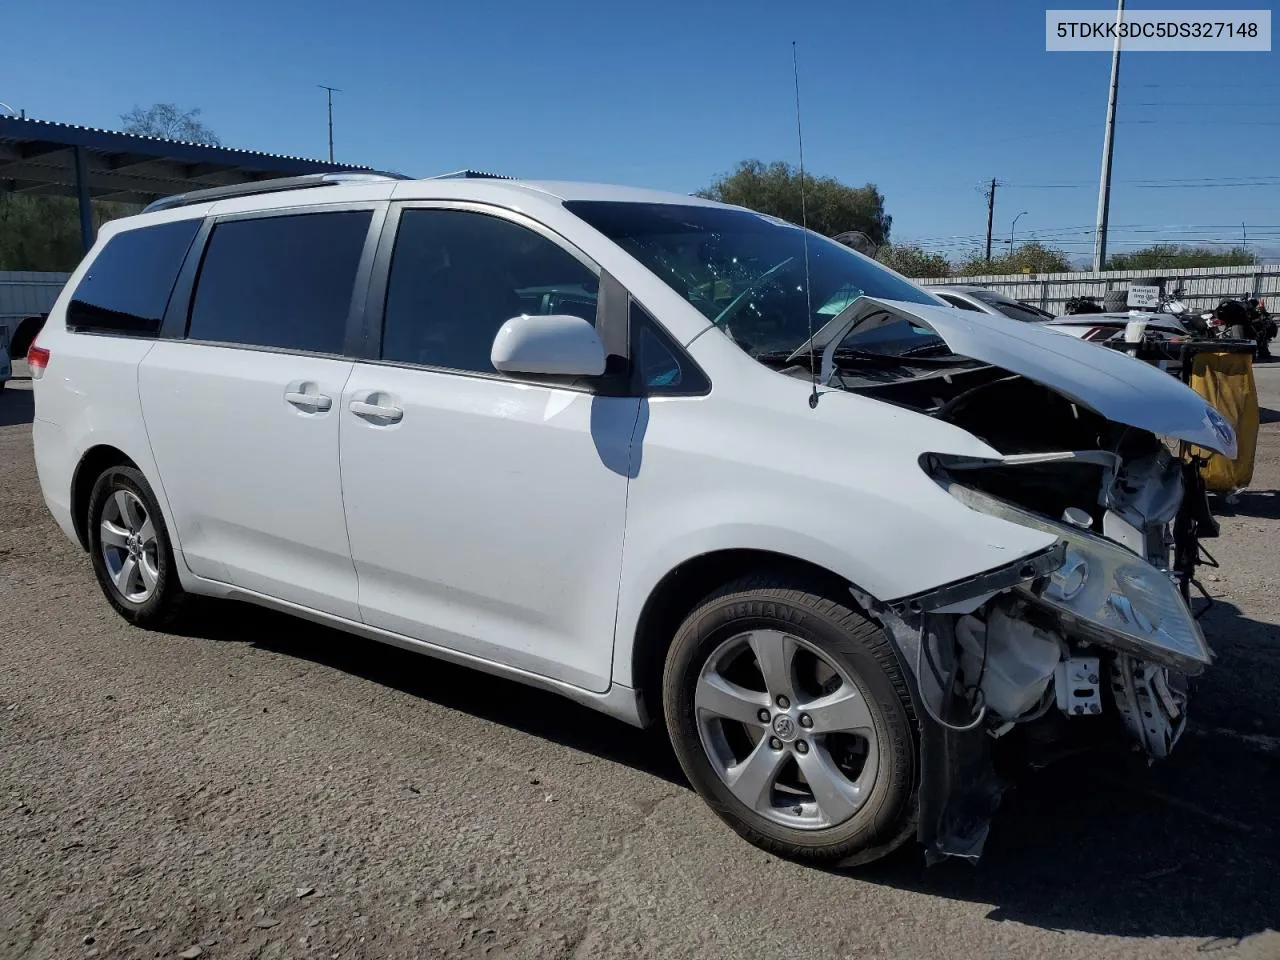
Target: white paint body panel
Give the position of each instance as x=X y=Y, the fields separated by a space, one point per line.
x=839 y=486
x=490 y=517
x=254 y=482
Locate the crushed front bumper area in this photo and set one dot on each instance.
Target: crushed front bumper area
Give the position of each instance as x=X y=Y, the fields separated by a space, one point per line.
x=1085 y=636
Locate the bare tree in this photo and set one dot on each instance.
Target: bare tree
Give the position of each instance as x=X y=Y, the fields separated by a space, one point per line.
x=168 y=121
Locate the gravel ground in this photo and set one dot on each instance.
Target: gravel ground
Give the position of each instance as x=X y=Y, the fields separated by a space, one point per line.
x=261 y=787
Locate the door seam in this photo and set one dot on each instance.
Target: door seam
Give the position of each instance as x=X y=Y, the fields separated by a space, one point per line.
x=342 y=490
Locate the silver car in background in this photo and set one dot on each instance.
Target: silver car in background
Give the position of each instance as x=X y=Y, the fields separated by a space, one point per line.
x=982 y=300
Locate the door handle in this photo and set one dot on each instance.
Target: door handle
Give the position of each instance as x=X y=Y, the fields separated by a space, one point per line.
x=376 y=411
x=315 y=402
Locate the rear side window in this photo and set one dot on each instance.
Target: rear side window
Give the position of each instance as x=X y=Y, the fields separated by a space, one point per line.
x=128 y=284
x=282 y=282
x=957 y=302
x=1014 y=308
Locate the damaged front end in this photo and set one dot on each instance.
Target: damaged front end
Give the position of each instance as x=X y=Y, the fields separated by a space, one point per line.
x=1099 y=632
x=1094 y=633
x=1091 y=640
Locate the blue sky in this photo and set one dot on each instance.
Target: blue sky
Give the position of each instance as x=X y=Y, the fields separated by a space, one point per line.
x=927 y=100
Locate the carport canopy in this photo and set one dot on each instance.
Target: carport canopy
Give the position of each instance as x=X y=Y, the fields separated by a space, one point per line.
x=42 y=158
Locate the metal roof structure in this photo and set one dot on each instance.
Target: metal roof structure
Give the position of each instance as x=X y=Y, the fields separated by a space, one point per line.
x=44 y=158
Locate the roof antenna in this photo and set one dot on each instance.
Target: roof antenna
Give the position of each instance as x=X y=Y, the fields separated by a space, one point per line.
x=804 y=223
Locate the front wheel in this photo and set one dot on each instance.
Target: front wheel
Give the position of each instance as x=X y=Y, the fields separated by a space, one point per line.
x=130 y=550
x=790 y=715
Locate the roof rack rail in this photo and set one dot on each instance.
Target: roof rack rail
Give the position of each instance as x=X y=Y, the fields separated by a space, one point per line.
x=470 y=175
x=275 y=185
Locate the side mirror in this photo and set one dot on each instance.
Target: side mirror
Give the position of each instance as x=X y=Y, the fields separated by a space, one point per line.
x=558 y=345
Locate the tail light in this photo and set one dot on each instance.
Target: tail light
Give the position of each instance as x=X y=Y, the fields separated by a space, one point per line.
x=37 y=360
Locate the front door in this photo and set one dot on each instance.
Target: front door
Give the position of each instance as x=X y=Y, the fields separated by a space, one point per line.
x=485 y=513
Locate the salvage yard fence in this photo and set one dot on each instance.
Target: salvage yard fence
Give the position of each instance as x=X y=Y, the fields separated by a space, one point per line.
x=1204 y=286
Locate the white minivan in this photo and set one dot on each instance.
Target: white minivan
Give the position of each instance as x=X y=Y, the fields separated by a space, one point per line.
x=676 y=460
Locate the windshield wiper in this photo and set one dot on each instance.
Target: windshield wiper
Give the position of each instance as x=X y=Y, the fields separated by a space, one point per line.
x=875 y=356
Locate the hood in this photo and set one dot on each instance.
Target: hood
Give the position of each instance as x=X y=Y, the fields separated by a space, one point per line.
x=1113 y=384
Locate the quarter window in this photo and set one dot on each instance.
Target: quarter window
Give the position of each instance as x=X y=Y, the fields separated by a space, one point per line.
x=282 y=282
x=659 y=366
x=456 y=277
x=128 y=284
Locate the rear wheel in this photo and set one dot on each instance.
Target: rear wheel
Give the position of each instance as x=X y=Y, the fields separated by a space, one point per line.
x=130 y=550
x=790 y=715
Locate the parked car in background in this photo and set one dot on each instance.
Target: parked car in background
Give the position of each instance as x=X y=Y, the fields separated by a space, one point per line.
x=1105 y=326
x=676 y=460
x=983 y=300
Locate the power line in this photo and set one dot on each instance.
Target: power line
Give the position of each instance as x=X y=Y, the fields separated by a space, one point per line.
x=1205 y=86
x=1198 y=103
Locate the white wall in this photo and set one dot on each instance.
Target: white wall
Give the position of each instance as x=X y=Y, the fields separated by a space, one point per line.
x=1205 y=286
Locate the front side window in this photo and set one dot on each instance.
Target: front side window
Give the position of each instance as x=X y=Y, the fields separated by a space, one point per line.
x=456 y=277
x=128 y=284
x=745 y=272
x=283 y=282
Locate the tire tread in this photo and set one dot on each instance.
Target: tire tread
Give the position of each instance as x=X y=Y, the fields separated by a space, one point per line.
x=813 y=596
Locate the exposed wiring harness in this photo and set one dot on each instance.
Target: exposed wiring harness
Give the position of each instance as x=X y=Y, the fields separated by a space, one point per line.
x=922 y=653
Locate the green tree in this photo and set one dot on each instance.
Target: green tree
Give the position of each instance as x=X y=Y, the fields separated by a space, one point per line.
x=43 y=233
x=168 y=121
x=1165 y=255
x=913 y=261
x=831 y=206
x=1028 y=257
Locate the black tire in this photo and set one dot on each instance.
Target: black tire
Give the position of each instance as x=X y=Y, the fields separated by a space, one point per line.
x=1115 y=301
x=165 y=600
x=807 y=610
x=23 y=335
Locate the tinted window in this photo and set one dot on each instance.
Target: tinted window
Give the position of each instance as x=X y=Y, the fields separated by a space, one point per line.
x=1013 y=308
x=457 y=277
x=659 y=365
x=745 y=271
x=127 y=287
x=280 y=281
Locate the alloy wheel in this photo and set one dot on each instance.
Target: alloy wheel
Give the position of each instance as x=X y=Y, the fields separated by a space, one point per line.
x=787 y=729
x=129 y=547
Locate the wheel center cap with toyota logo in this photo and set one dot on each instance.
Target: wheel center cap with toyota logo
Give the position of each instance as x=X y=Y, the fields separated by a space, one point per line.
x=784 y=728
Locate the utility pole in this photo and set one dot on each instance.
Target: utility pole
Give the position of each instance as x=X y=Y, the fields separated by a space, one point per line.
x=330 y=91
x=1108 y=142
x=991 y=212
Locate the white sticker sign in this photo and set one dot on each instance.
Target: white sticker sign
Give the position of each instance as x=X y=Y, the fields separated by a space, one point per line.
x=1144 y=297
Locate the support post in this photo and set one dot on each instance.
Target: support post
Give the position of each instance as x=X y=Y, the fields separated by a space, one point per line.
x=82 y=194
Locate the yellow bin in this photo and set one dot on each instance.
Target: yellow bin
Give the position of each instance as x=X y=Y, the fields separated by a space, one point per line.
x=1225 y=380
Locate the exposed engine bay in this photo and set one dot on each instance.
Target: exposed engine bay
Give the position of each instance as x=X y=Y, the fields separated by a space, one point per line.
x=1096 y=636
